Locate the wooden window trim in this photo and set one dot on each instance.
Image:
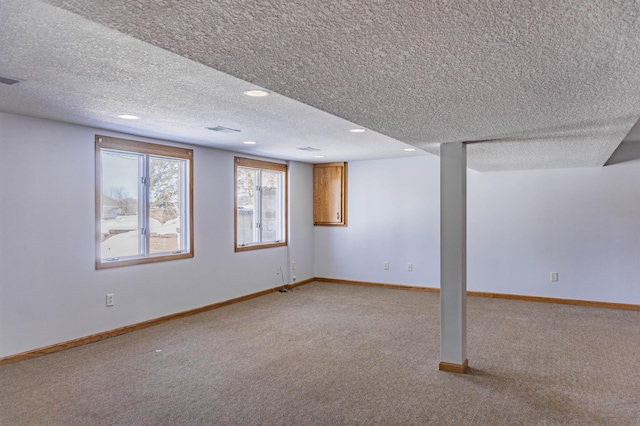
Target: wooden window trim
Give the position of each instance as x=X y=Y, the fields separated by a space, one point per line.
x=260 y=164
x=266 y=165
x=108 y=142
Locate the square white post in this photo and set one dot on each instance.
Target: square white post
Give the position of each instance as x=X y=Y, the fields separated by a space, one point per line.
x=453 y=257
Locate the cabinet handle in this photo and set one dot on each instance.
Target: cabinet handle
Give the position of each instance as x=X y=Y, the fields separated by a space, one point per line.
x=338 y=215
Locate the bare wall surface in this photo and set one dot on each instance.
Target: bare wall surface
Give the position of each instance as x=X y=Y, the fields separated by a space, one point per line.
x=521 y=226
x=581 y=223
x=394 y=216
x=3 y=191
x=301 y=247
x=51 y=290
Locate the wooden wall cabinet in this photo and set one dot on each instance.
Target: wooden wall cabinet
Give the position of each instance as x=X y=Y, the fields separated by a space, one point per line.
x=330 y=194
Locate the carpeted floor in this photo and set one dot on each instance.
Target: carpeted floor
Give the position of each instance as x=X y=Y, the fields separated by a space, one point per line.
x=339 y=354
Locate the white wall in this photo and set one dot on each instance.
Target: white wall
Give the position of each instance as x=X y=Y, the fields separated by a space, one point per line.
x=582 y=223
x=301 y=247
x=3 y=191
x=394 y=216
x=50 y=290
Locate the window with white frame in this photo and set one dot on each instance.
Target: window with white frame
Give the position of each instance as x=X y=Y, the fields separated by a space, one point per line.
x=261 y=204
x=144 y=202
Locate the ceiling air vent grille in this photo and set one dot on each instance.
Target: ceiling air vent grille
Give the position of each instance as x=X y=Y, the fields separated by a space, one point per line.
x=222 y=129
x=8 y=80
x=308 y=148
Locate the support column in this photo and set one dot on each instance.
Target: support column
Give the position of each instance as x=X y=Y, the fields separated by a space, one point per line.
x=453 y=257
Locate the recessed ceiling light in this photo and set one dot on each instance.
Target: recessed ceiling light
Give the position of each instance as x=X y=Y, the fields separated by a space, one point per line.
x=249 y=142
x=319 y=156
x=357 y=130
x=129 y=117
x=256 y=93
x=409 y=149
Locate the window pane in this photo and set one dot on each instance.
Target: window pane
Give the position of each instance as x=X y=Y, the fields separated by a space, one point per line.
x=119 y=215
x=144 y=201
x=271 y=202
x=260 y=199
x=165 y=197
x=246 y=203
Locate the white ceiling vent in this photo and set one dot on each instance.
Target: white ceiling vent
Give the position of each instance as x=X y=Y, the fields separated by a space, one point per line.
x=222 y=129
x=308 y=148
x=9 y=80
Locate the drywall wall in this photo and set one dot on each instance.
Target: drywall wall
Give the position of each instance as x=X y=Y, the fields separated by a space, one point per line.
x=3 y=190
x=301 y=233
x=51 y=291
x=582 y=223
x=522 y=225
x=394 y=216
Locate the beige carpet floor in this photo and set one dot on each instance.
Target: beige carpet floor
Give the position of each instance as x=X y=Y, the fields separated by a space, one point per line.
x=330 y=354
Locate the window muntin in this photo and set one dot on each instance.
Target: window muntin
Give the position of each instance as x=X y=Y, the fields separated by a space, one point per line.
x=261 y=204
x=144 y=202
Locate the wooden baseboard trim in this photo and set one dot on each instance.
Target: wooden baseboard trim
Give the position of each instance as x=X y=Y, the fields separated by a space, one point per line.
x=128 y=329
x=576 y=302
x=299 y=283
x=538 y=299
x=139 y=326
x=455 y=368
x=382 y=285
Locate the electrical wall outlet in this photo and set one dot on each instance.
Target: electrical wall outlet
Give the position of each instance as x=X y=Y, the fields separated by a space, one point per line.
x=386 y=266
x=409 y=267
x=277 y=270
x=554 y=276
x=110 y=299
x=293 y=266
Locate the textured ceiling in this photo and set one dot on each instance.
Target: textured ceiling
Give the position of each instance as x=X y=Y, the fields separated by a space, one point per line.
x=629 y=149
x=81 y=72
x=545 y=83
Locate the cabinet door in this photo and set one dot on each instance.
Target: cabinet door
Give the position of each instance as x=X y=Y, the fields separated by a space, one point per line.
x=329 y=194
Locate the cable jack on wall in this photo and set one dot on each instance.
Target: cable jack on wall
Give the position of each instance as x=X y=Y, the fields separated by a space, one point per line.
x=279 y=271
